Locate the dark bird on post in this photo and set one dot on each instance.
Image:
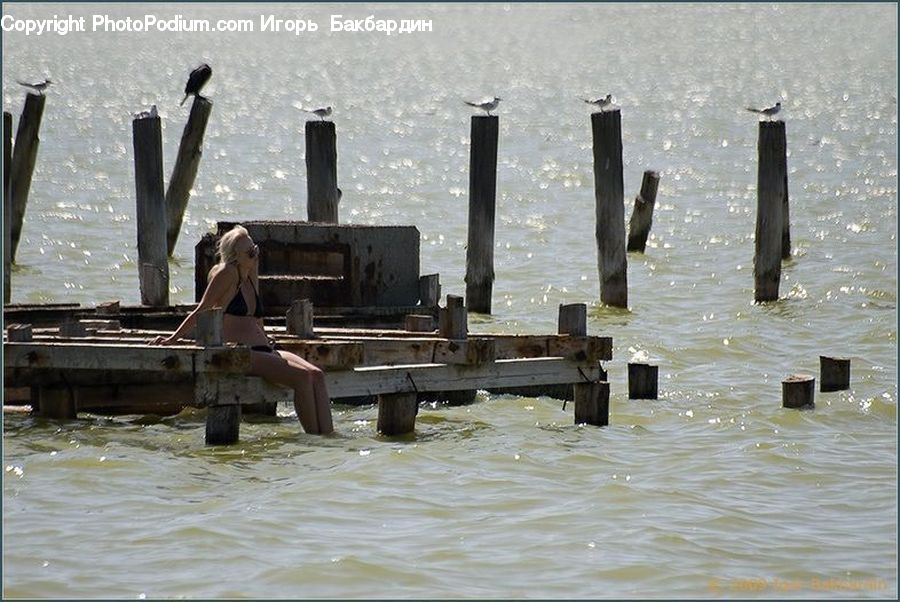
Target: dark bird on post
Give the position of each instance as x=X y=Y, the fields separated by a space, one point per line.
x=38 y=87
x=196 y=81
x=767 y=112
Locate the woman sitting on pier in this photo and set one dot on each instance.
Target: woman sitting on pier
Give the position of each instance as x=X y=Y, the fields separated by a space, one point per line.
x=234 y=285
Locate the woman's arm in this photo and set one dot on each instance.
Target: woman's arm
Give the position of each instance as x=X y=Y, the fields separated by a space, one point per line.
x=222 y=281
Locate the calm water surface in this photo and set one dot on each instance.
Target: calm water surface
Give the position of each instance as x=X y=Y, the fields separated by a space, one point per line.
x=712 y=490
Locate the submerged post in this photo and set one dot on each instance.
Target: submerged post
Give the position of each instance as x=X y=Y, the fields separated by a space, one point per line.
x=610 y=209
x=153 y=265
x=482 y=209
x=798 y=391
x=642 y=214
x=770 y=209
x=24 y=156
x=643 y=381
x=185 y=171
x=322 y=195
x=397 y=413
x=7 y=206
x=834 y=373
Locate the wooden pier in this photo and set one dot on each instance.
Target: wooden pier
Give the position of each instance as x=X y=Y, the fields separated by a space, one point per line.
x=94 y=365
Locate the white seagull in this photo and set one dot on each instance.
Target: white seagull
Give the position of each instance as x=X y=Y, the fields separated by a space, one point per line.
x=767 y=112
x=487 y=106
x=321 y=112
x=600 y=102
x=38 y=87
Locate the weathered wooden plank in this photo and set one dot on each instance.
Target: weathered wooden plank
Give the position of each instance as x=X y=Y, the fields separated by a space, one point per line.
x=80 y=356
x=447 y=377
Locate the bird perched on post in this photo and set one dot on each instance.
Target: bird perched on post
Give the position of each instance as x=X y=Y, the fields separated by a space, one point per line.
x=767 y=112
x=601 y=103
x=196 y=80
x=322 y=112
x=487 y=106
x=38 y=87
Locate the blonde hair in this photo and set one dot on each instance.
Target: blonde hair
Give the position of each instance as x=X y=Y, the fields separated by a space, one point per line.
x=225 y=248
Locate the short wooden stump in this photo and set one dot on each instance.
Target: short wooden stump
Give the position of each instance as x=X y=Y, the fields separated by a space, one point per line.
x=798 y=391
x=834 y=373
x=643 y=381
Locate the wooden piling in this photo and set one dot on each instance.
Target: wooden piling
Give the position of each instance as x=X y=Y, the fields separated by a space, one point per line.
x=19 y=333
x=592 y=403
x=416 y=323
x=153 y=265
x=209 y=328
x=770 y=208
x=643 y=381
x=798 y=391
x=217 y=391
x=7 y=207
x=642 y=214
x=300 y=319
x=72 y=328
x=454 y=322
x=321 y=172
x=397 y=413
x=573 y=319
x=185 y=171
x=429 y=290
x=609 y=188
x=24 y=157
x=482 y=209
x=57 y=402
x=786 y=217
x=834 y=373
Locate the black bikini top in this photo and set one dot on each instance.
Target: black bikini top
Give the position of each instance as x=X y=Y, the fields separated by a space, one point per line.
x=238 y=305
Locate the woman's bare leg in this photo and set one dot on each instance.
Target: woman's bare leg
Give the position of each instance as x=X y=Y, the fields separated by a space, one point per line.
x=322 y=401
x=275 y=368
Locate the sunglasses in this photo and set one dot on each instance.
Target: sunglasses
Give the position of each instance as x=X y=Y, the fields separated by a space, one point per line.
x=253 y=251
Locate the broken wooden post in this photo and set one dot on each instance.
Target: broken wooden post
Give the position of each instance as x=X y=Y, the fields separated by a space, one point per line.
x=322 y=194
x=643 y=381
x=416 y=323
x=153 y=265
x=429 y=290
x=108 y=308
x=209 y=328
x=19 y=333
x=185 y=171
x=642 y=214
x=7 y=207
x=834 y=373
x=482 y=209
x=592 y=403
x=454 y=322
x=609 y=193
x=573 y=319
x=300 y=319
x=770 y=195
x=397 y=413
x=798 y=391
x=24 y=156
